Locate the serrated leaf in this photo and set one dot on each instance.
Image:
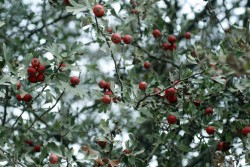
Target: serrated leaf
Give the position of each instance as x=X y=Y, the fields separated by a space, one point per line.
x=53 y=148
x=183 y=147
x=75 y=8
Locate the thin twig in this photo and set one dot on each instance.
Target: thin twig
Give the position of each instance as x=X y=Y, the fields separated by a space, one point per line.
x=5 y=105
x=112 y=56
x=45 y=111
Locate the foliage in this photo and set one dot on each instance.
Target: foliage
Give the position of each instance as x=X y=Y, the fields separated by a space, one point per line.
x=212 y=69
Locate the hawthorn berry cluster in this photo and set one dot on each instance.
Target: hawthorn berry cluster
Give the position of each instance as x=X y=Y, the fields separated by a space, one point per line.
x=36 y=71
x=108 y=94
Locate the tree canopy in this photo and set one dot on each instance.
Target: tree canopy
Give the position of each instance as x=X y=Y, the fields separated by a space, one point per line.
x=124 y=83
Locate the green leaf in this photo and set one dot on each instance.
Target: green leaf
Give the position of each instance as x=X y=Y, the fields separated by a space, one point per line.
x=1 y=23
x=53 y=148
x=75 y=8
x=183 y=147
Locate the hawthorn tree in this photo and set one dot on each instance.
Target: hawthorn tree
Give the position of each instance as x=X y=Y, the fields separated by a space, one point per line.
x=124 y=83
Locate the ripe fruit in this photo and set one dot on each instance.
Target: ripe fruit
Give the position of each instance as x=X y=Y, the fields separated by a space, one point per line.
x=165 y=46
x=108 y=93
x=31 y=71
x=101 y=144
x=171 y=39
x=18 y=86
x=108 y=86
x=172 y=47
x=29 y=142
x=32 y=79
x=27 y=98
x=66 y=2
x=170 y=92
x=156 y=33
x=74 y=80
x=143 y=85
x=210 y=130
x=98 y=10
x=245 y=130
x=109 y=30
x=61 y=66
x=220 y=146
x=147 y=64
x=41 y=69
x=35 y=62
x=172 y=119
x=37 y=148
x=197 y=102
x=53 y=159
x=102 y=84
x=40 y=77
x=106 y=99
x=127 y=39
x=127 y=151
x=209 y=111
x=18 y=97
x=187 y=35
x=116 y=38
x=172 y=99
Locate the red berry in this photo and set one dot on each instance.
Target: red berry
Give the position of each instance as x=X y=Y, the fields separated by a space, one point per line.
x=101 y=144
x=171 y=39
x=197 y=102
x=209 y=111
x=156 y=33
x=27 y=98
x=116 y=38
x=176 y=82
x=32 y=79
x=109 y=30
x=143 y=85
x=74 y=80
x=66 y=2
x=165 y=46
x=172 y=47
x=61 y=66
x=41 y=69
x=102 y=84
x=18 y=85
x=108 y=86
x=29 y=142
x=53 y=159
x=127 y=39
x=98 y=10
x=245 y=130
x=35 y=62
x=31 y=71
x=106 y=99
x=37 y=148
x=18 y=97
x=40 y=77
x=170 y=92
x=220 y=146
x=187 y=35
x=108 y=93
x=172 y=99
x=147 y=64
x=172 y=119
x=127 y=151
x=210 y=130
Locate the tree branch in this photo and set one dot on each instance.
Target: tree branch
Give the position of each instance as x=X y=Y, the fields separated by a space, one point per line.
x=5 y=105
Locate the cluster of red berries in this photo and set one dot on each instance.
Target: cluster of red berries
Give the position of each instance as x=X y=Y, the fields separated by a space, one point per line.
x=36 y=71
x=27 y=97
x=171 y=46
x=117 y=38
x=36 y=147
x=106 y=99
